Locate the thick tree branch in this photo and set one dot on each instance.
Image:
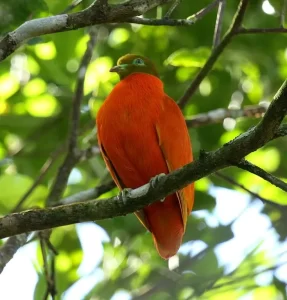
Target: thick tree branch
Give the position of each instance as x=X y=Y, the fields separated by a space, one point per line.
x=233 y=29
x=208 y=163
x=97 y=13
x=218 y=115
x=248 y=166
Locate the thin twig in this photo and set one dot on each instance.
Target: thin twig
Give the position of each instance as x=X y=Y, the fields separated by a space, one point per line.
x=218 y=115
x=160 y=22
x=74 y=154
x=53 y=276
x=84 y=155
x=261 y=30
x=172 y=8
x=283 y=13
x=39 y=132
x=255 y=195
x=174 y=22
x=44 y=170
x=11 y=246
x=90 y=194
x=200 y=14
x=70 y=7
x=218 y=23
x=49 y=276
x=248 y=166
x=89 y=152
x=233 y=29
x=248 y=275
x=169 y=276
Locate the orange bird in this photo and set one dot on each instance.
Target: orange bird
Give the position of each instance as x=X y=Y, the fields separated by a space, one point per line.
x=142 y=133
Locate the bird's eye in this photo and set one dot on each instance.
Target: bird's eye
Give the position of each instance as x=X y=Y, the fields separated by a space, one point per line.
x=138 y=61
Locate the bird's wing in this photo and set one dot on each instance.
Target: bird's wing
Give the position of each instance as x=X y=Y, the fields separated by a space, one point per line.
x=140 y=214
x=175 y=144
x=110 y=166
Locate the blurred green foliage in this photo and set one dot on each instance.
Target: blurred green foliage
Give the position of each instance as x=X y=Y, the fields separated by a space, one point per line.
x=37 y=84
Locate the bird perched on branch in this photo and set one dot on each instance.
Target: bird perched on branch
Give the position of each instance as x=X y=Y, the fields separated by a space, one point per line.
x=142 y=133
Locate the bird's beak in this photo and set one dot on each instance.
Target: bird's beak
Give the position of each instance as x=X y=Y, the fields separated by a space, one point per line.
x=118 y=69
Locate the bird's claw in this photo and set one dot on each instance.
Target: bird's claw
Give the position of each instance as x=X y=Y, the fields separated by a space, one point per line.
x=122 y=196
x=154 y=181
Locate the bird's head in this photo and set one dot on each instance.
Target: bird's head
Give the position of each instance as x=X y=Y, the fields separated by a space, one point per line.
x=132 y=63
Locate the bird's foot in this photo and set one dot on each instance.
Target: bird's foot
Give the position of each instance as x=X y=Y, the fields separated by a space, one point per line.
x=123 y=195
x=154 y=181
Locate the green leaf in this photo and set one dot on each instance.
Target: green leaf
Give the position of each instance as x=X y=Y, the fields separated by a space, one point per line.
x=202 y=200
x=188 y=58
x=16 y=12
x=15 y=187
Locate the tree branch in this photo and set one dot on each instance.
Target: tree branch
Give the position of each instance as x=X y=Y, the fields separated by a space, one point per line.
x=88 y=194
x=96 y=13
x=173 y=22
x=48 y=266
x=45 y=168
x=134 y=200
x=160 y=22
x=261 y=30
x=218 y=24
x=172 y=8
x=10 y=247
x=248 y=166
x=282 y=131
x=283 y=13
x=233 y=29
x=70 y=7
x=74 y=154
x=199 y=15
x=89 y=152
x=255 y=195
x=218 y=115
x=247 y=275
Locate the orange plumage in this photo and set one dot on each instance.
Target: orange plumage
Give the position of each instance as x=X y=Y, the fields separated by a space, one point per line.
x=142 y=133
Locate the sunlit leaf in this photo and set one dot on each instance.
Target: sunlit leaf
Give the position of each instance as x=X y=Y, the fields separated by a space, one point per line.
x=188 y=58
